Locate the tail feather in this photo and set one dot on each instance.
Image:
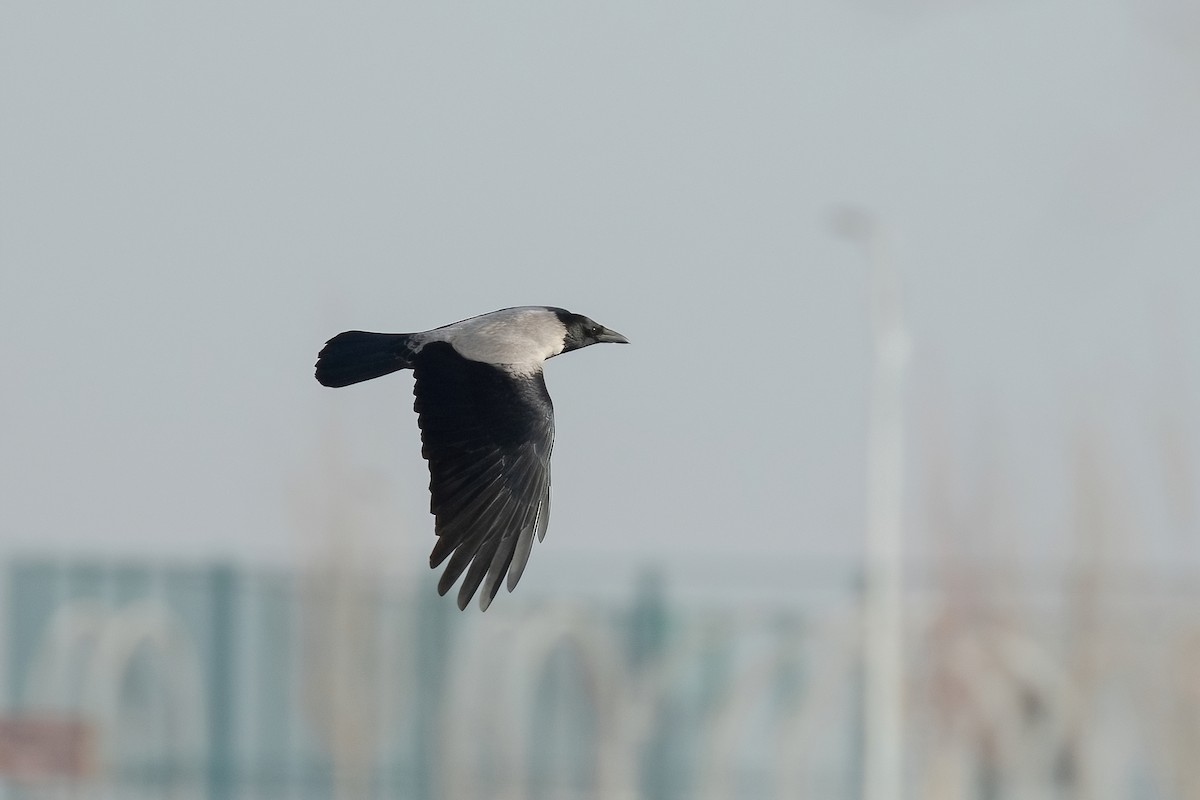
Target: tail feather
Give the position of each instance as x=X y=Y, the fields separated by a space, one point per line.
x=356 y=356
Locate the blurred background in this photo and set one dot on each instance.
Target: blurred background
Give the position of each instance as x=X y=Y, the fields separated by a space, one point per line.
x=893 y=495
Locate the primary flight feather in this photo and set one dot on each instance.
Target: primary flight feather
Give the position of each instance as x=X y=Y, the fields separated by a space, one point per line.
x=487 y=429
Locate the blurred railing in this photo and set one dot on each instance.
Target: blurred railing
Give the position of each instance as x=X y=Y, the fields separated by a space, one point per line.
x=222 y=683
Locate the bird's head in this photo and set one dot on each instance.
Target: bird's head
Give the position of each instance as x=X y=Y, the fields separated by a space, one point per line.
x=582 y=331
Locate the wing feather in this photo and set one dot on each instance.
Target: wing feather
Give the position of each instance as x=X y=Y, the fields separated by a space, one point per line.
x=487 y=434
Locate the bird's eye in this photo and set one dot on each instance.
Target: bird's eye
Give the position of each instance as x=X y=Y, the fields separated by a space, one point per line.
x=594 y=331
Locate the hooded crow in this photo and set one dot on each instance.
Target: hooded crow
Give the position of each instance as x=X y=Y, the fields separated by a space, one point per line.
x=487 y=429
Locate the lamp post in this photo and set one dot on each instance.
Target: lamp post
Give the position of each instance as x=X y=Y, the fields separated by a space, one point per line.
x=883 y=619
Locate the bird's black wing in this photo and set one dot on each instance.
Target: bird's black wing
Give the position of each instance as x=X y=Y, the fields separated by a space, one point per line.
x=487 y=435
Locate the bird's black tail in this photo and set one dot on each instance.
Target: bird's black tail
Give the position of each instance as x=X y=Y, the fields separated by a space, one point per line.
x=356 y=356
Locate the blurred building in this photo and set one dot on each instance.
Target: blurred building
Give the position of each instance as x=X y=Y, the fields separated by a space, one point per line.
x=216 y=682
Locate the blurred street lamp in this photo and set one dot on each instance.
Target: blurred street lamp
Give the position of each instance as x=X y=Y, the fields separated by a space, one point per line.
x=883 y=643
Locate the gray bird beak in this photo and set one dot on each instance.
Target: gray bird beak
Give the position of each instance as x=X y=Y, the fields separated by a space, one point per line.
x=611 y=337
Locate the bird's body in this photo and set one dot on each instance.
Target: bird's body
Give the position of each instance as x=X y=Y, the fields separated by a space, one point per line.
x=487 y=428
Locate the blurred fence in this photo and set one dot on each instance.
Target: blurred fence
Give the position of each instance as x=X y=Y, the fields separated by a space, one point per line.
x=222 y=683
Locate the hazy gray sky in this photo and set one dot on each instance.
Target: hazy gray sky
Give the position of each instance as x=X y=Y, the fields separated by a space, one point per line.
x=194 y=197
